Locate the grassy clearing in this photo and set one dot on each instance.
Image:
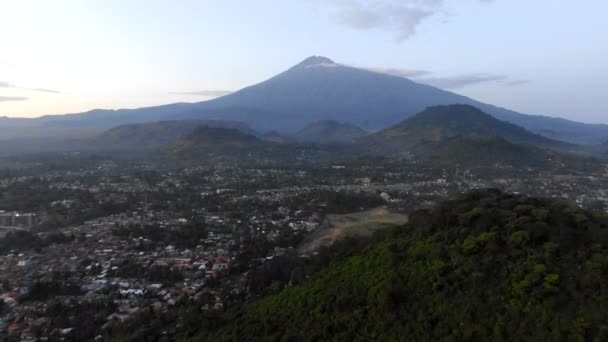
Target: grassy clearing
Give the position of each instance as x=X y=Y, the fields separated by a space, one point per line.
x=338 y=227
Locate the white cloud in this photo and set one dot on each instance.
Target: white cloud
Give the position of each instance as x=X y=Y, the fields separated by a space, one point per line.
x=450 y=82
x=12 y=98
x=399 y=16
x=52 y=91
x=460 y=81
x=517 y=82
x=44 y=90
x=407 y=73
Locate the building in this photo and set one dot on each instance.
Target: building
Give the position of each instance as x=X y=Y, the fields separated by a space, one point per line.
x=13 y=219
x=6 y=219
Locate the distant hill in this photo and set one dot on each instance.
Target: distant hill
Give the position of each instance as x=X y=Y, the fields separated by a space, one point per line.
x=440 y=123
x=602 y=149
x=487 y=267
x=314 y=90
x=476 y=151
x=276 y=137
x=154 y=134
x=330 y=131
x=462 y=134
x=207 y=141
x=483 y=151
x=444 y=135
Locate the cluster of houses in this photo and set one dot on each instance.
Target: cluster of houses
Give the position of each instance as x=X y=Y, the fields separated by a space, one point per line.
x=125 y=273
x=104 y=265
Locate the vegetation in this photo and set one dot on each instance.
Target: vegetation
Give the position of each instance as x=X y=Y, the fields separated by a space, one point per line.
x=464 y=135
x=330 y=131
x=485 y=151
x=155 y=134
x=213 y=141
x=184 y=236
x=489 y=266
x=441 y=122
x=21 y=240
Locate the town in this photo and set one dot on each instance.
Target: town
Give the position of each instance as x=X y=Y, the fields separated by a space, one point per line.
x=121 y=243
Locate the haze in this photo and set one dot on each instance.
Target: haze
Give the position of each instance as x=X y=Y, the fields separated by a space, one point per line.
x=540 y=57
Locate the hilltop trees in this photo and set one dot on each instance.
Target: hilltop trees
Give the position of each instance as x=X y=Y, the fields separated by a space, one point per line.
x=487 y=266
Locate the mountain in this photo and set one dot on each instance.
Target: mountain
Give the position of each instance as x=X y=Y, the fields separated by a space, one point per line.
x=154 y=134
x=330 y=131
x=441 y=123
x=487 y=267
x=209 y=142
x=314 y=90
x=462 y=134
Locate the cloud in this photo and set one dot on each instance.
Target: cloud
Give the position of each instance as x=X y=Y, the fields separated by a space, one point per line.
x=455 y=82
x=206 y=93
x=407 y=73
x=399 y=16
x=461 y=81
x=450 y=82
x=517 y=82
x=12 y=98
x=45 y=90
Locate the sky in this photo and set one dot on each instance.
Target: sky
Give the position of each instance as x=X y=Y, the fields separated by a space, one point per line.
x=544 y=57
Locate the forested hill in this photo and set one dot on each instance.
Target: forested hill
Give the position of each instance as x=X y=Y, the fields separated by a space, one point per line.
x=155 y=134
x=441 y=123
x=487 y=267
x=330 y=131
x=213 y=141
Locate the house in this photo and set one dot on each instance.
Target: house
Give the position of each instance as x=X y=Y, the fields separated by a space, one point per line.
x=220 y=263
x=14 y=328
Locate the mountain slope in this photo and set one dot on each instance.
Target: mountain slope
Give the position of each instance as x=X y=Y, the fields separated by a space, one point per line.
x=160 y=133
x=221 y=145
x=276 y=137
x=497 y=152
x=207 y=142
x=330 y=131
x=462 y=134
x=439 y=123
x=319 y=89
x=482 y=151
x=490 y=266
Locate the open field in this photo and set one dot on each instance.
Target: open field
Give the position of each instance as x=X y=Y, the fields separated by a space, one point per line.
x=338 y=227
